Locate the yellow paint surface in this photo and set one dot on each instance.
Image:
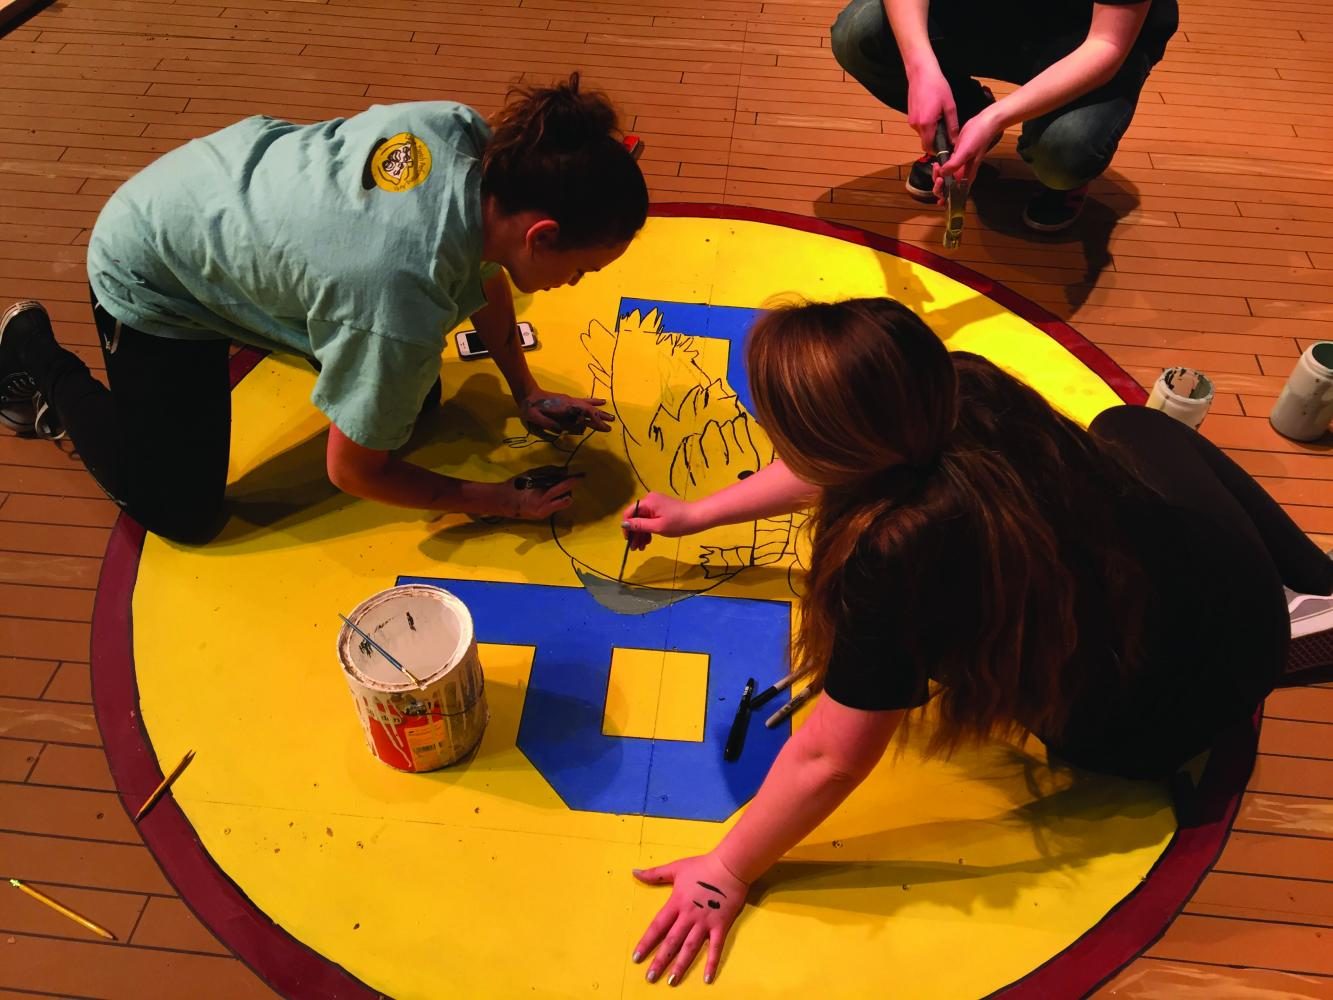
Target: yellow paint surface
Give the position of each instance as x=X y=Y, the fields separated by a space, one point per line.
x=656 y=693
x=937 y=879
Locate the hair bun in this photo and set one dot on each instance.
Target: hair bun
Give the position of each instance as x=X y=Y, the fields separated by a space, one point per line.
x=573 y=119
x=558 y=149
x=556 y=119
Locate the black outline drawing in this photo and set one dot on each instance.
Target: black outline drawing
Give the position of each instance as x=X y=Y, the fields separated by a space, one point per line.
x=700 y=432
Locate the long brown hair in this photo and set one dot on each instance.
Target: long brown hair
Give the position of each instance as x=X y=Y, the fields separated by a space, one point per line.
x=955 y=498
x=558 y=150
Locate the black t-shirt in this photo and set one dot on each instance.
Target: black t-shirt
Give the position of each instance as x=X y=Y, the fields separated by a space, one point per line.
x=1204 y=652
x=1024 y=21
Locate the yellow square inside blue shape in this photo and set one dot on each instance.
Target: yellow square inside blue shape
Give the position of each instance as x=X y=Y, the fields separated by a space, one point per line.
x=656 y=694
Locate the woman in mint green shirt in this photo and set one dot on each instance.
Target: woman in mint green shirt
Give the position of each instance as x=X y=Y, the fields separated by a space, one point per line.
x=357 y=243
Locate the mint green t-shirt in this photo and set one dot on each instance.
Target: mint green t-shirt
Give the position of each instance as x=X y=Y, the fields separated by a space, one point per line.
x=355 y=242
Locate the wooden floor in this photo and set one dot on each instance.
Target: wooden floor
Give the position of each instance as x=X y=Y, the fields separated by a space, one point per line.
x=1210 y=243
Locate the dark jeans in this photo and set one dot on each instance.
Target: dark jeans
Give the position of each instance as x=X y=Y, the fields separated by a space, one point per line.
x=1066 y=148
x=158 y=440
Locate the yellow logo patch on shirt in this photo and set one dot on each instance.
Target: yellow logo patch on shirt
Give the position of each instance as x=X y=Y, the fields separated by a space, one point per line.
x=400 y=163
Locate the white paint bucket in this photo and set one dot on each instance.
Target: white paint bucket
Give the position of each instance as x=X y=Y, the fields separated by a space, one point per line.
x=1182 y=393
x=1305 y=408
x=428 y=631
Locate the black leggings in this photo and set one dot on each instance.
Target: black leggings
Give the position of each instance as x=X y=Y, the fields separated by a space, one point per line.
x=1214 y=644
x=1189 y=471
x=159 y=439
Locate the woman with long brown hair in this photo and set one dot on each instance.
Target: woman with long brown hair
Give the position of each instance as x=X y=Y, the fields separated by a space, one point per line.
x=1117 y=591
x=357 y=243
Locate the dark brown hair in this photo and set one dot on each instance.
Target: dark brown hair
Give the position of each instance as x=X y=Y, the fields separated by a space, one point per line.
x=558 y=150
x=955 y=500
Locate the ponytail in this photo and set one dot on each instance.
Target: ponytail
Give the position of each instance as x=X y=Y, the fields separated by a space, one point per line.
x=557 y=150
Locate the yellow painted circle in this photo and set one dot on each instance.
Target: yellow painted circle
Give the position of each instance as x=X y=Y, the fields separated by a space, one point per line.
x=937 y=879
x=400 y=163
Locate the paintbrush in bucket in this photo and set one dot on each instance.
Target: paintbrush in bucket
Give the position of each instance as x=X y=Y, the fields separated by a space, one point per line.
x=382 y=651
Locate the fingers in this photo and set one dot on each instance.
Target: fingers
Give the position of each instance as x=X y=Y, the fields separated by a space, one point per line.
x=693 y=942
x=598 y=420
x=639 y=531
x=669 y=948
x=640 y=521
x=661 y=875
x=716 y=937
x=951 y=122
x=536 y=418
x=666 y=916
x=925 y=127
x=644 y=535
x=927 y=133
x=558 y=497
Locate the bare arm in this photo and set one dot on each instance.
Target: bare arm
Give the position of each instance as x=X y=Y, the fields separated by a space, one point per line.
x=1111 y=36
x=551 y=412
x=379 y=475
x=496 y=325
x=823 y=762
x=929 y=97
x=907 y=18
x=772 y=490
x=818 y=768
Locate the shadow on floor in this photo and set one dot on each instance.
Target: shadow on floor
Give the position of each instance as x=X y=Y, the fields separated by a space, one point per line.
x=994 y=233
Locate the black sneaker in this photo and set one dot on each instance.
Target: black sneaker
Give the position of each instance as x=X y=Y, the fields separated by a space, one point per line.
x=1052 y=211
x=22 y=408
x=921 y=179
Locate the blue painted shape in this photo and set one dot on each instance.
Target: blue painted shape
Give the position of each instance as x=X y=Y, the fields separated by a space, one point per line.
x=729 y=323
x=561 y=728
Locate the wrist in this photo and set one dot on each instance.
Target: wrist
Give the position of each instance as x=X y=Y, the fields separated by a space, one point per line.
x=995 y=117
x=480 y=499
x=524 y=388
x=700 y=515
x=921 y=65
x=732 y=866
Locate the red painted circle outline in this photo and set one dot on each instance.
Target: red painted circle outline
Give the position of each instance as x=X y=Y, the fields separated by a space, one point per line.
x=1204 y=812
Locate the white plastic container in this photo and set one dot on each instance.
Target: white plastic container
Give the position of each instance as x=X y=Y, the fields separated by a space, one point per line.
x=1182 y=393
x=1305 y=408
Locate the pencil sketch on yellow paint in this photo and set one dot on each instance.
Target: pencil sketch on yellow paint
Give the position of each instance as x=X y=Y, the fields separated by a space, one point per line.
x=684 y=433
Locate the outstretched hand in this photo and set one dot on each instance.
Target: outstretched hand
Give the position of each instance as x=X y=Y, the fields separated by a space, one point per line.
x=526 y=501
x=705 y=900
x=656 y=514
x=554 y=413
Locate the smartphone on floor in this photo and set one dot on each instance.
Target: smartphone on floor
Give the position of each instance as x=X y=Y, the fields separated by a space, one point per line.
x=470 y=346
